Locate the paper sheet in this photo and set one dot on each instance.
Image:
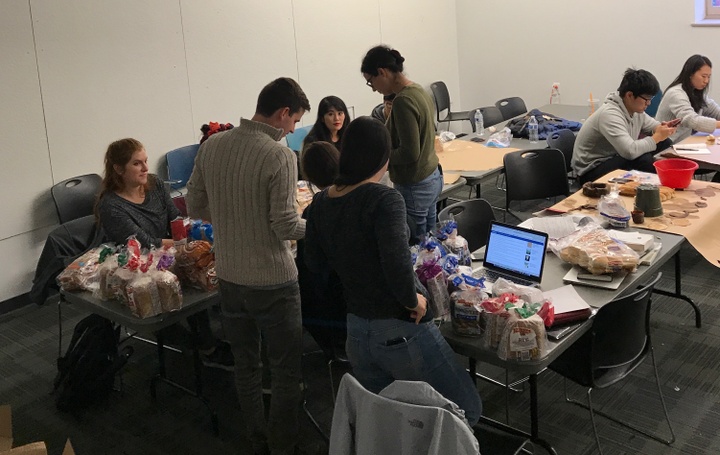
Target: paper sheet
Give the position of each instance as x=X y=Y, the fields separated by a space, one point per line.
x=566 y=299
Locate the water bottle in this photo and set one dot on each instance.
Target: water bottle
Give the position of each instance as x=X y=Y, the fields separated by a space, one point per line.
x=533 y=129
x=479 y=126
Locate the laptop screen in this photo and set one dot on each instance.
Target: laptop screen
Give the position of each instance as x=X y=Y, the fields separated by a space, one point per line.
x=515 y=250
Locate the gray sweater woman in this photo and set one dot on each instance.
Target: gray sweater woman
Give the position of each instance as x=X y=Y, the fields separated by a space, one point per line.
x=676 y=104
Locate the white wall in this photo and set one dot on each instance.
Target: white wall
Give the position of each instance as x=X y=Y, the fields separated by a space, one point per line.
x=586 y=46
x=78 y=74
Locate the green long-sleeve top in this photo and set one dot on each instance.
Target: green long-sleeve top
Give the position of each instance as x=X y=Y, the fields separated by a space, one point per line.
x=412 y=132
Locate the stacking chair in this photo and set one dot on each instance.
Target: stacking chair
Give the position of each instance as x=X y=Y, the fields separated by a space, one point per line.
x=491 y=116
x=618 y=342
x=473 y=219
x=180 y=163
x=442 y=103
x=564 y=140
x=295 y=140
x=534 y=174
x=511 y=107
x=652 y=109
x=75 y=197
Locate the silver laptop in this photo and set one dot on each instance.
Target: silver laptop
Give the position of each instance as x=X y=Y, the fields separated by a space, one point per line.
x=514 y=253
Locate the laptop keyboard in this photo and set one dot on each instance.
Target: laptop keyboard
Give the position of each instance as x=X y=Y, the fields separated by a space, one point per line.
x=493 y=276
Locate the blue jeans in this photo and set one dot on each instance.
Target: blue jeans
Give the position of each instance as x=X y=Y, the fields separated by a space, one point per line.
x=383 y=350
x=421 y=199
x=276 y=312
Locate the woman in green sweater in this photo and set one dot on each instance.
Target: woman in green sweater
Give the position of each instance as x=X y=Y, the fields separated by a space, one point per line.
x=413 y=164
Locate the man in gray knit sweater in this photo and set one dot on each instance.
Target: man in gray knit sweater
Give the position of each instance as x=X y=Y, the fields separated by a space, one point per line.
x=244 y=182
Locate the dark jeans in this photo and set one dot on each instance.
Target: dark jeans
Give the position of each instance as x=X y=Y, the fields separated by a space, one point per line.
x=643 y=163
x=276 y=312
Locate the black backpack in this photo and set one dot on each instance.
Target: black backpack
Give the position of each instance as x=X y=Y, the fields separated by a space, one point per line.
x=86 y=373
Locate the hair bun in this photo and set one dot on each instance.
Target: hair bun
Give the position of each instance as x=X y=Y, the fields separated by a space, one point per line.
x=398 y=58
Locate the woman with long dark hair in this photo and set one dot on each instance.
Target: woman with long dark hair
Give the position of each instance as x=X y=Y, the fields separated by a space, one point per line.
x=686 y=99
x=357 y=227
x=332 y=119
x=413 y=162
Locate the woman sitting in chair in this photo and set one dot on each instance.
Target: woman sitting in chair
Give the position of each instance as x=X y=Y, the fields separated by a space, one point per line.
x=134 y=202
x=357 y=227
x=332 y=119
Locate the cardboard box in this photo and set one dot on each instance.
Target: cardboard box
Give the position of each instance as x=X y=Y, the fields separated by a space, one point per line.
x=6 y=439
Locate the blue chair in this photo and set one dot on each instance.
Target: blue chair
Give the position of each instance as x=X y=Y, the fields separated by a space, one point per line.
x=654 y=104
x=295 y=140
x=180 y=163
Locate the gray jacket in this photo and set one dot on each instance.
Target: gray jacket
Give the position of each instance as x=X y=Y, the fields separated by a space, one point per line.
x=676 y=104
x=612 y=131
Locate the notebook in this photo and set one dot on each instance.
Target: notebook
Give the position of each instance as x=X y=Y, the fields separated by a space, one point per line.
x=514 y=253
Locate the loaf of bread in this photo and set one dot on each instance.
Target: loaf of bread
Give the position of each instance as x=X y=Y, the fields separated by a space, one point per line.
x=523 y=339
x=594 y=250
x=143 y=297
x=169 y=291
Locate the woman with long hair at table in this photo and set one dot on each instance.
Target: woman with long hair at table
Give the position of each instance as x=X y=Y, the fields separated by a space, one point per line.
x=413 y=164
x=134 y=202
x=686 y=98
x=332 y=119
x=357 y=227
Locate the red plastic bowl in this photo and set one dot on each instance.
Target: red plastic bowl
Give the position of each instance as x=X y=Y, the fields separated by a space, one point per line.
x=675 y=172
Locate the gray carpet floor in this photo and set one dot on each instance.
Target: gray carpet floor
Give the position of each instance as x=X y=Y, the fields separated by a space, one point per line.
x=132 y=423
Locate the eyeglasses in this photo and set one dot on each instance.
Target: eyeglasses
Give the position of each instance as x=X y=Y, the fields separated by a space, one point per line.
x=647 y=100
x=369 y=82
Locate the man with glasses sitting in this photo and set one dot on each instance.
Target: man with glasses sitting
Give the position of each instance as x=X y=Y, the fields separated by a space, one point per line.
x=620 y=135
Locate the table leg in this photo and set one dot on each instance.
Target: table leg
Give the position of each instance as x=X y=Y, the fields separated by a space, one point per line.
x=534 y=430
x=678 y=292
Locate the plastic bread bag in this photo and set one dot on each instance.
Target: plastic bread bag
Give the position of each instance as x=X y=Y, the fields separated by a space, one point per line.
x=201 y=231
x=612 y=208
x=82 y=273
x=431 y=275
x=106 y=270
x=496 y=315
x=455 y=243
x=500 y=139
x=592 y=248
x=524 y=293
x=143 y=297
x=467 y=311
x=196 y=265
x=169 y=290
x=523 y=338
x=429 y=249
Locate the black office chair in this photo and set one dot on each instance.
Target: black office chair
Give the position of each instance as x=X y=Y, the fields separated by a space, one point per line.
x=534 y=174
x=564 y=140
x=75 y=197
x=618 y=342
x=491 y=116
x=180 y=163
x=473 y=218
x=511 y=107
x=442 y=103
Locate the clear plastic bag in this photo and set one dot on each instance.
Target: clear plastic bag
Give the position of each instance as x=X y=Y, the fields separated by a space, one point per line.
x=467 y=312
x=612 y=208
x=523 y=339
x=500 y=139
x=592 y=248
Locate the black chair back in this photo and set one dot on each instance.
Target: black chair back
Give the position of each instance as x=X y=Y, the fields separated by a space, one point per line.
x=75 y=197
x=491 y=116
x=442 y=97
x=511 y=107
x=621 y=329
x=473 y=218
x=563 y=140
x=535 y=174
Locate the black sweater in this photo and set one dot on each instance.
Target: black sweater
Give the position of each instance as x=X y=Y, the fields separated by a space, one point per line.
x=363 y=237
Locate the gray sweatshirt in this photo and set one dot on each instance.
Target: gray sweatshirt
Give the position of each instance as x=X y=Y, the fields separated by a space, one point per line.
x=612 y=131
x=676 y=104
